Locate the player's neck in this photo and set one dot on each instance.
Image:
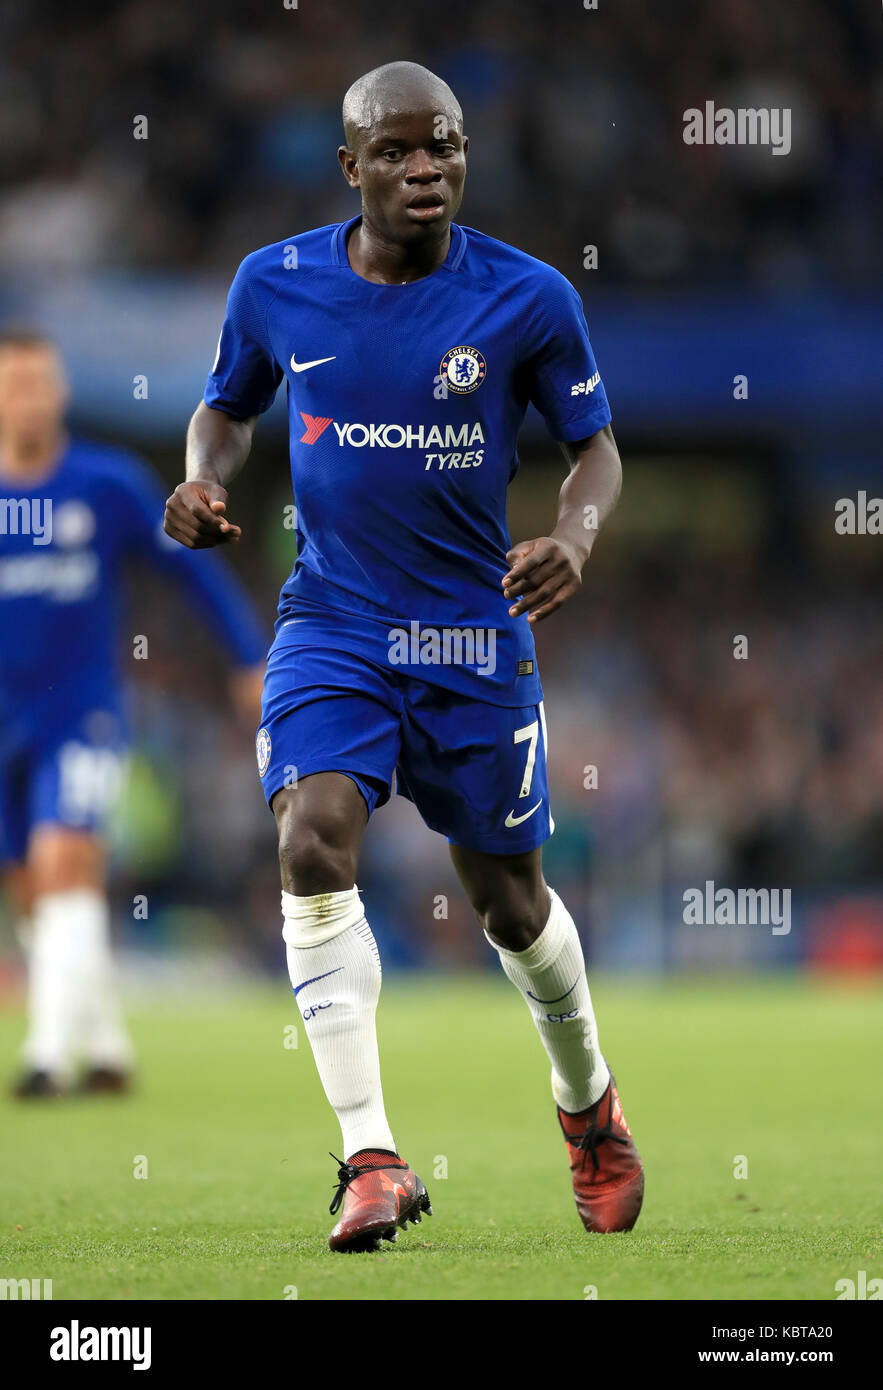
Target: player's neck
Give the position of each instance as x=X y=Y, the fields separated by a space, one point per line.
x=386 y=262
x=33 y=457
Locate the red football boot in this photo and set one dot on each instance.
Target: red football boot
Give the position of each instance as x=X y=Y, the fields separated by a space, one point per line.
x=105 y=1081
x=38 y=1085
x=378 y=1193
x=608 y=1177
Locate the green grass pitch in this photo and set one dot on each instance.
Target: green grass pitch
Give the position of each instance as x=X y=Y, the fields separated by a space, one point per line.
x=236 y=1134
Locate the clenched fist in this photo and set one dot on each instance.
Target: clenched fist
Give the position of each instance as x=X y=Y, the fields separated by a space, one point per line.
x=195 y=515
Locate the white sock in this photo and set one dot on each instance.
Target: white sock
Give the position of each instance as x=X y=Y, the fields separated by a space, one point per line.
x=334 y=967
x=551 y=975
x=70 y=990
x=103 y=1036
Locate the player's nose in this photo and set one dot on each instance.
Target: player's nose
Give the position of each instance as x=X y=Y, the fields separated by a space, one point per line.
x=422 y=168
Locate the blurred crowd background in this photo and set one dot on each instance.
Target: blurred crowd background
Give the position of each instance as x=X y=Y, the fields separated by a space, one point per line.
x=243 y=101
x=712 y=261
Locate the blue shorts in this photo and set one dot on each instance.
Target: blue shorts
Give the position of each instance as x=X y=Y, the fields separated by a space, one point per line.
x=475 y=771
x=71 y=780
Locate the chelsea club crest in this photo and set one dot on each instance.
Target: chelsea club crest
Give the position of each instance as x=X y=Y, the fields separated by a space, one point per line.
x=263 y=748
x=463 y=369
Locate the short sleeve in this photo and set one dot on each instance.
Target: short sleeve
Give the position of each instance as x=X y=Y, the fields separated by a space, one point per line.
x=245 y=377
x=562 y=377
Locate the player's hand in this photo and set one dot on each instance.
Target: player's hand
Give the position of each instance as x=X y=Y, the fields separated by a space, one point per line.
x=544 y=574
x=195 y=516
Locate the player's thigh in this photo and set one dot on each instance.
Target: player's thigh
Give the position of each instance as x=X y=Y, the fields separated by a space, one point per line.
x=476 y=771
x=326 y=750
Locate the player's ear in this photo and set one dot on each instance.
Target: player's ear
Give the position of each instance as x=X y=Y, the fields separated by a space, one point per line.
x=465 y=144
x=350 y=165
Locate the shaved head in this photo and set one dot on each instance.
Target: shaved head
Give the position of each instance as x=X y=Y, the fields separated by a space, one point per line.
x=406 y=154
x=392 y=90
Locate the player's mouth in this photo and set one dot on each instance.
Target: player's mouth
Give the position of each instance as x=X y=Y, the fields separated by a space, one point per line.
x=426 y=207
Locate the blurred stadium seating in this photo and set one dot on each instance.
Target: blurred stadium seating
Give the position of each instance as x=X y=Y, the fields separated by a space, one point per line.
x=576 y=121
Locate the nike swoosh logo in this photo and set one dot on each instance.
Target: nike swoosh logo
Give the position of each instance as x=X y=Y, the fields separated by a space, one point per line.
x=303 y=366
x=560 y=996
x=298 y=988
x=516 y=820
x=396 y=1188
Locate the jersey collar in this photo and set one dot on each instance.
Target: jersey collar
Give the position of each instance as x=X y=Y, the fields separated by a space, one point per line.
x=456 y=250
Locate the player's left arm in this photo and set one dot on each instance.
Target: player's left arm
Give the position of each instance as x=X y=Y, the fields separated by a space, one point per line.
x=545 y=572
x=209 y=583
x=558 y=368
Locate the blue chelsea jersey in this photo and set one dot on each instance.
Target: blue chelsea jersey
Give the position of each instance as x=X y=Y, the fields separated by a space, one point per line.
x=63 y=542
x=405 y=403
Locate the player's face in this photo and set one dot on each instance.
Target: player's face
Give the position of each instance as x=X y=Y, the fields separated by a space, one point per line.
x=33 y=393
x=410 y=167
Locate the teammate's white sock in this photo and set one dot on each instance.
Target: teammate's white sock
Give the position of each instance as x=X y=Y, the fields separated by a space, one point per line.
x=551 y=975
x=70 y=988
x=103 y=1037
x=334 y=967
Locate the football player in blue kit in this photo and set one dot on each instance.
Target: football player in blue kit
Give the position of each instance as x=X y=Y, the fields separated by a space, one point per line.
x=411 y=347
x=71 y=512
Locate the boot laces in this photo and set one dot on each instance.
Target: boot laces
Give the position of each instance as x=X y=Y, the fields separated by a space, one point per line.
x=347 y=1173
x=595 y=1134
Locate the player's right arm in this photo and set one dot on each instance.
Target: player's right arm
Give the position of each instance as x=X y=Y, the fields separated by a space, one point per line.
x=217 y=447
x=241 y=386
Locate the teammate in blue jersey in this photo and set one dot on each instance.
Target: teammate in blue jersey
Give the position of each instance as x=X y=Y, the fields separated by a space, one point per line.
x=411 y=347
x=71 y=512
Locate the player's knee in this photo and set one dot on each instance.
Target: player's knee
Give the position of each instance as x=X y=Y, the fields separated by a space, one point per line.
x=514 y=921
x=318 y=850
x=19 y=886
x=514 y=931
x=60 y=860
